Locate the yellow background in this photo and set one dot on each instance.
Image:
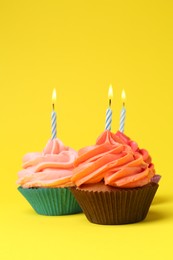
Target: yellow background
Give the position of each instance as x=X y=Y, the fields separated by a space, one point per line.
x=80 y=47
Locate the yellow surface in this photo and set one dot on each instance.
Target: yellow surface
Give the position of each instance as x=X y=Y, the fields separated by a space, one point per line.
x=80 y=47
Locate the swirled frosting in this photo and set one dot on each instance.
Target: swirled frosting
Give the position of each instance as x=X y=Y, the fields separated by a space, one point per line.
x=51 y=168
x=116 y=159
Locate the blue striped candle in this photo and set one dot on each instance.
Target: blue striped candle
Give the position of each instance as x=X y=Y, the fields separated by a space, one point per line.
x=108 y=119
x=123 y=113
x=53 y=115
x=109 y=110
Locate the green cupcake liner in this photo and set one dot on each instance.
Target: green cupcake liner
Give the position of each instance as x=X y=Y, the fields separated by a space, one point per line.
x=121 y=206
x=51 y=201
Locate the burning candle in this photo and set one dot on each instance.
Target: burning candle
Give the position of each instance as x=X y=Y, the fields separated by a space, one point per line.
x=123 y=112
x=53 y=115
x=109 y=110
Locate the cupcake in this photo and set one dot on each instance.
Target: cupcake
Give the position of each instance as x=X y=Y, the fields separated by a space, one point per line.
x=114 y=180
x=45 y=179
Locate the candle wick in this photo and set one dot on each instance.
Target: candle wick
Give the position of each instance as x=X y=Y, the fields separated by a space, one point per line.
x=123 y=104
x=109 y=102
x=53 y=105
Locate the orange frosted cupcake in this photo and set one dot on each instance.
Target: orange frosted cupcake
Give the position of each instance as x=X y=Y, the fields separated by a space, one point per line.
x=114 y=180
x=46 y=177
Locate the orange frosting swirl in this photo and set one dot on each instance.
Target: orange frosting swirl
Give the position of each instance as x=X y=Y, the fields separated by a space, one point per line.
x=116 y=159
x=51 y=168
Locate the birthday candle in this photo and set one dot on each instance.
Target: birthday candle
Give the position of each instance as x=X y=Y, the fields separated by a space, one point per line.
x=109 y=110
x=123 y=113
x=53 y=115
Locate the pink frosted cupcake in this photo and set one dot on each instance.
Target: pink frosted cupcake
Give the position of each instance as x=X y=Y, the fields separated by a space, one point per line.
x=114 y=180
x=46 y=177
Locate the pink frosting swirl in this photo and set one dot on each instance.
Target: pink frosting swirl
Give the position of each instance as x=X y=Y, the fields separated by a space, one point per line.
x=51 y=168
x=116 y=159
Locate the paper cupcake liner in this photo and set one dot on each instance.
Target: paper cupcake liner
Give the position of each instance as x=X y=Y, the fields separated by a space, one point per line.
x=51 y=201
x=121 y=206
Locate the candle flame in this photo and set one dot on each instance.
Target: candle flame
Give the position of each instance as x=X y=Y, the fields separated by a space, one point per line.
x=110 y=92
x=54 y=95
x=123 y=95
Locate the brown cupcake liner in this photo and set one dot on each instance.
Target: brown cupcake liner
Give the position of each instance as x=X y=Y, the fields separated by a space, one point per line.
x=120 y=206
